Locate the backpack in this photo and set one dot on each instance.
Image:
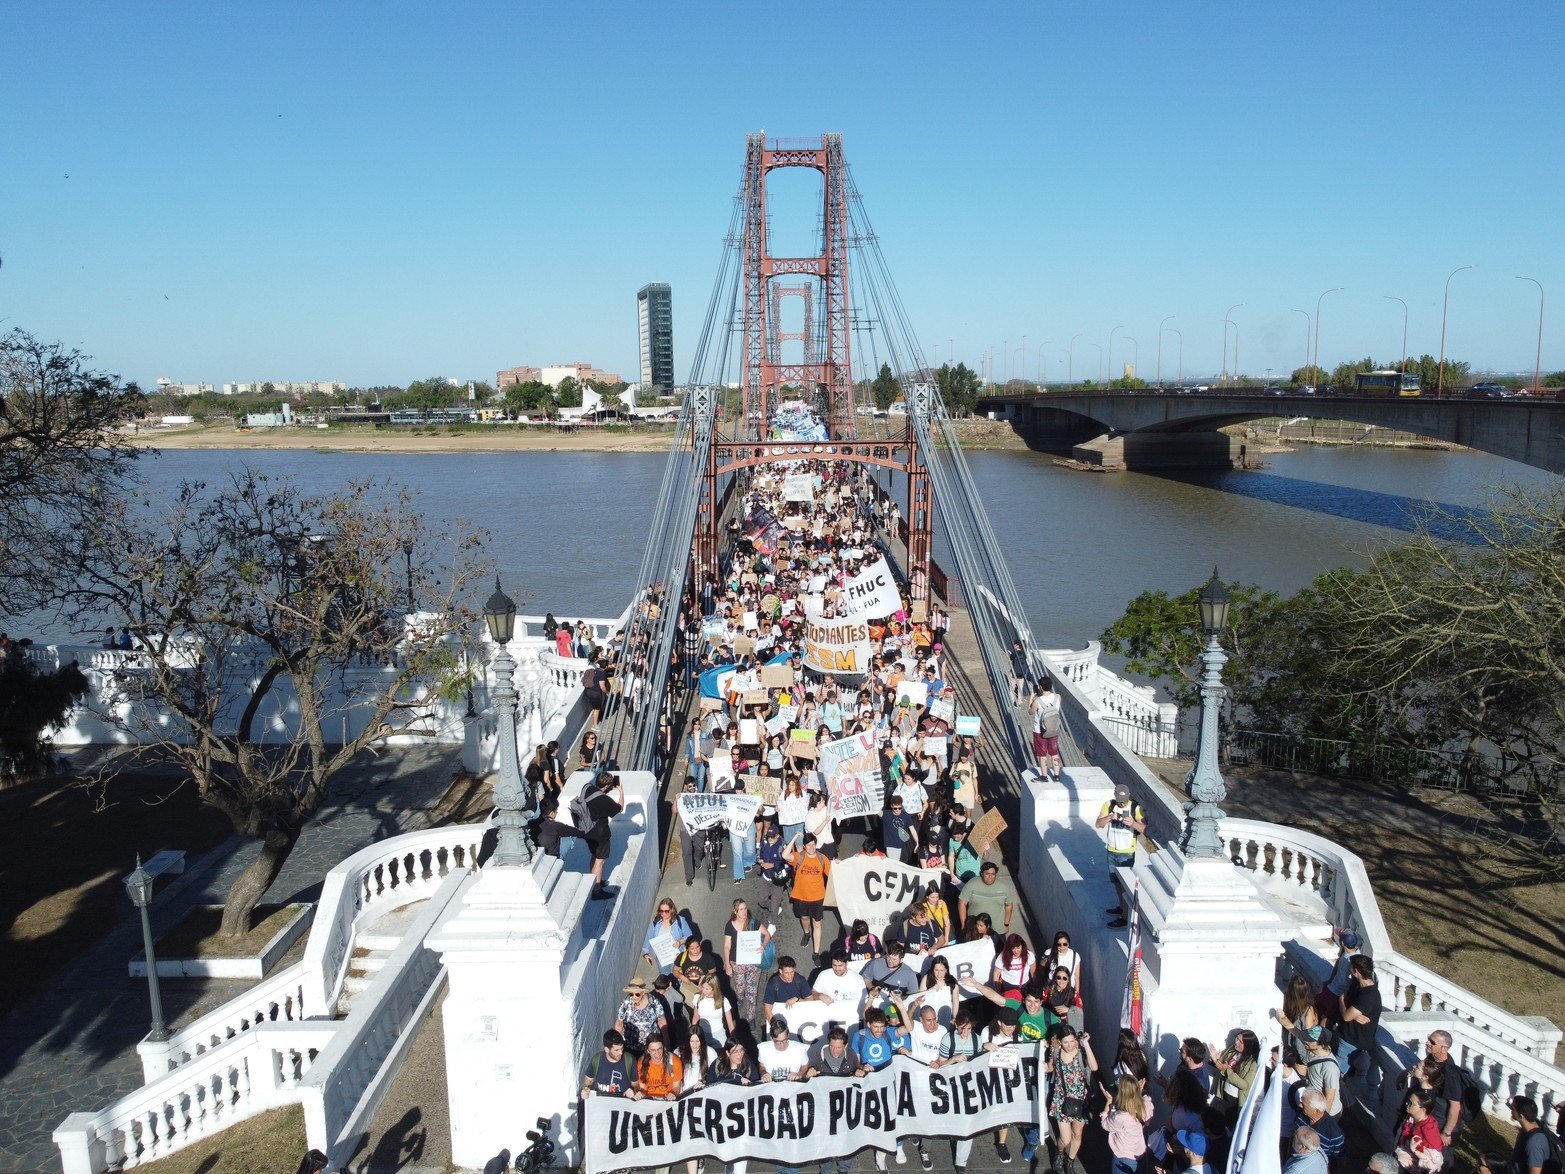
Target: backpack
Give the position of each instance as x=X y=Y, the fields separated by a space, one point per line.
x=1555 y=1162
x=580 y=816
x=1049 y=723
x=1472 y=1098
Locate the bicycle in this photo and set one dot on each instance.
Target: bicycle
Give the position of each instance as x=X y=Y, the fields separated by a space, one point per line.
x=716 y=837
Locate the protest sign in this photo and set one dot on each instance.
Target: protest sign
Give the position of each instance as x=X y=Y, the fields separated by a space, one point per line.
x=766 y=788
x=754 y=697
x=715 y=631
x=776 y=676
x=749 y=731
x=935 y=747
x=873 y=591
x=799 y=487
x=698 y=811
x=788 y=711
x=747 y=947
x=916 y=692
x=720 y=772
x=968 y=725
x=664 y=950
x=971 y=960
x=836 y=645
x=750 y=622
x=874 y=888
x=815 y=1122
x=942 y=710
x=744 y=646
x=851 y=766
x=801 y=744
x=986 y=831
x=776 y=725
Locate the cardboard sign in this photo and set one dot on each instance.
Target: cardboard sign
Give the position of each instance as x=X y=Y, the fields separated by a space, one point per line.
x=720 y=772
x=874 y=888
x=872 y=592
x=968 y=725
x=776 y=676
x=942 y=710
x=799 y=487
x=986 y=831
x=744 y=646
x=920 y=611
x=801 y=745
x=754 y=697
x=766 y=788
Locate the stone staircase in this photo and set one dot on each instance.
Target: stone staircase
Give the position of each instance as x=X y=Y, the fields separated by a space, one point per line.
x=372 y=946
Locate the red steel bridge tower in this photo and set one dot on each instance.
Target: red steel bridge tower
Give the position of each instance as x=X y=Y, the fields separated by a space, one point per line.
x=829 y=373
x=825 y=372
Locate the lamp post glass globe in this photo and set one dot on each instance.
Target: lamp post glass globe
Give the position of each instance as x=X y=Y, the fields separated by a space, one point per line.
x=1203 y=837
x=500 y=615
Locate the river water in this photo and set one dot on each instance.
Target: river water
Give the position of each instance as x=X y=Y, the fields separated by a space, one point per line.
x=568 y=529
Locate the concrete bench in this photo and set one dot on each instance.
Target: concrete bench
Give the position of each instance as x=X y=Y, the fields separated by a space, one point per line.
x=169 y=862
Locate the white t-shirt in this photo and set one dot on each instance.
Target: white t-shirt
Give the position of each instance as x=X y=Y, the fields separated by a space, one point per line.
x=714 y=1021
x=840 y=988
x=1068 y=960
x=924 y=1046
x=781 y=1063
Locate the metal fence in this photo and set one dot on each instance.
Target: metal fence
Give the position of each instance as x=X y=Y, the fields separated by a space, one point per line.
x=1447 y=769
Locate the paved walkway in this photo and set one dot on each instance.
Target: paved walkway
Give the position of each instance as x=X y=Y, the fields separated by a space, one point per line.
x=73 y=1046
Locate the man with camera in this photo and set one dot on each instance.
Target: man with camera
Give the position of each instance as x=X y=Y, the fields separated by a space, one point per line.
x=1123 y=820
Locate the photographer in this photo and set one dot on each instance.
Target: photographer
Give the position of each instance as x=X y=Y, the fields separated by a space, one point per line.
x=1124 y=821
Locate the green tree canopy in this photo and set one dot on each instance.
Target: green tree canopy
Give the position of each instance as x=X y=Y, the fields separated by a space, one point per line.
x=32 y=702
x=885 y=389
x=568 y=393
x=529 y=397
x=1310 y=376
x=1345 y=374
x=427 y=395
x=958 y=387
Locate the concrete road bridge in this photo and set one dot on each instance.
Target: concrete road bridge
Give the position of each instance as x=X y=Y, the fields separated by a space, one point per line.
x=1166 y=429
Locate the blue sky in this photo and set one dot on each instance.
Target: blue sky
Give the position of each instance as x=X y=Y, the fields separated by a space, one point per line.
x=377 y=192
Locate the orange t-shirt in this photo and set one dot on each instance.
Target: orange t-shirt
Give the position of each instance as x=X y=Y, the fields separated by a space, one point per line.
x=809 y=877
x=662 y=1079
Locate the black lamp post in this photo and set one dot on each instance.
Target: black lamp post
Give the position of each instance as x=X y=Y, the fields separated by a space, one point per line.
x=139 y=885
x=1206 y=779
x=512 y=850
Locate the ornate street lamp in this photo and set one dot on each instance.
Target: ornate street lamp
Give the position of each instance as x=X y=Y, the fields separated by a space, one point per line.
x=407 y=555
x=139 y=885
x=512 y=849
x=1206 y=780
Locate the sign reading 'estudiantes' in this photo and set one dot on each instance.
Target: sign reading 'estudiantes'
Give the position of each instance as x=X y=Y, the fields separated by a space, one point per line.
x=825 y=1118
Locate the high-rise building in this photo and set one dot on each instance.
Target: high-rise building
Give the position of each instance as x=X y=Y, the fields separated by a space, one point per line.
x=655 y=315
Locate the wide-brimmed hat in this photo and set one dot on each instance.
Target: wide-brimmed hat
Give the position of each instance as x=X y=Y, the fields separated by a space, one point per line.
x=637 y=986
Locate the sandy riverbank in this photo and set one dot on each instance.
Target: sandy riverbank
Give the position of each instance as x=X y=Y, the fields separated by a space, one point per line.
x=975 y=434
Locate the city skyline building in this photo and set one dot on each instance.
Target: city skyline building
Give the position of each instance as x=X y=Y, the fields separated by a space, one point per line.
x=655 y=323
x=554 y=374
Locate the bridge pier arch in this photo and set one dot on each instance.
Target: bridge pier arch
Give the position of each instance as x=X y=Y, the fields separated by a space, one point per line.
x=1163 y=450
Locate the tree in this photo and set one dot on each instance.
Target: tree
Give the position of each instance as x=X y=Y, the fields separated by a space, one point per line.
x=1344 y=375
x=62 y=454
x=568 y=393
x=427 y=395
x=482 y=392
x=1310 y=376
x=531 y=396
x=1129 y=383
x=958 y=388
x=254 y=595
x=33 y=702
x=885 y=389
x=1554 y=379
x=1427 y=368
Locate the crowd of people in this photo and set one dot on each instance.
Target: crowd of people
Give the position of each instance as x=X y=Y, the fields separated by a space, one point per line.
x=710 y=1012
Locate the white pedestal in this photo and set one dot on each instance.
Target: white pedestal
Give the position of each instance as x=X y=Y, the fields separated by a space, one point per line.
x=1209 y=949
x=509 y=1031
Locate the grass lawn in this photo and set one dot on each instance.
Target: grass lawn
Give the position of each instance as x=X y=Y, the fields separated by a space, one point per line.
x=66 y=854
x=1457 y=893
x=270 y=1141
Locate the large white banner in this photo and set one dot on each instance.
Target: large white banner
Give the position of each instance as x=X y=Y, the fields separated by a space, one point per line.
x=805 y=1123
x=872 y=592
x=851 y=768
x=969 y=960
x=836 y=645
x=726 y=809
x=873 y=887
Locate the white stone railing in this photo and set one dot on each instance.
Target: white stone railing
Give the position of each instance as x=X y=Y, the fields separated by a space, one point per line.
x=383 y=876
x=1077 y=665
x=280 y=999
x=1318 y=872
x=255 y=1072
x=1138 y=718
x=352 y=1073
